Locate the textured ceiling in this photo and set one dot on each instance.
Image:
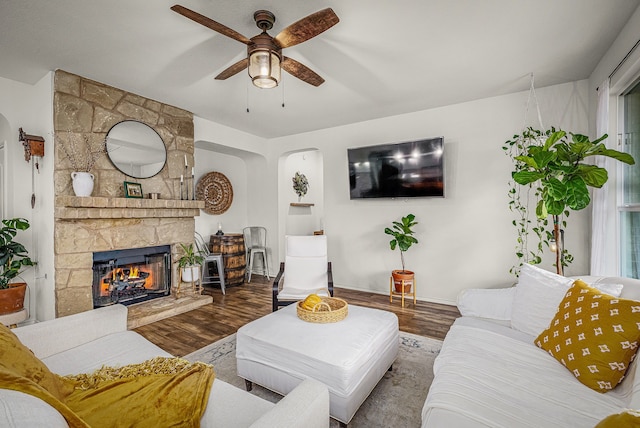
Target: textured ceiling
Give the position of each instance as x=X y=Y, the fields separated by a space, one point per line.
x=382 y=59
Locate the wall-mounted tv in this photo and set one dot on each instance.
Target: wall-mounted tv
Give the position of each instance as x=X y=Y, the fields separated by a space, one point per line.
x=400 y=170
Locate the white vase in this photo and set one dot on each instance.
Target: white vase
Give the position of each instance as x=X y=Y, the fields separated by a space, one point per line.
x=82 y=183
x=190 y=273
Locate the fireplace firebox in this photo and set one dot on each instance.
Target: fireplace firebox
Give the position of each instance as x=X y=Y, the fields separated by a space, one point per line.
x=131 y=276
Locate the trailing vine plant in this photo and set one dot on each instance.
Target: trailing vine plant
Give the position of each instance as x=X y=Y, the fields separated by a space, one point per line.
x=550 y=163
x=519 y=198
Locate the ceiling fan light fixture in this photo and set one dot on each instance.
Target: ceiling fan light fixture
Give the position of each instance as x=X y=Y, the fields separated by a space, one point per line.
x=264 y=68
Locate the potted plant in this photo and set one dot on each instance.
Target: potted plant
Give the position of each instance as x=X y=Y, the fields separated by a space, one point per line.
x=189 y=263
x=13 y=261
x=552 y=161
x=403 y=239
x=300 y=185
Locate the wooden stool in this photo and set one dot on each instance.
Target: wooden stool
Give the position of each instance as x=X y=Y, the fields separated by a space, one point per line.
x=392 y=292
x=11 y=320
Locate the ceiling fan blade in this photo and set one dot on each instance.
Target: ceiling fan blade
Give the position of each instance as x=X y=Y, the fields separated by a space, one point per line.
x=307 y=28
x=301 y=71
x=210 y=23
x=233 y=70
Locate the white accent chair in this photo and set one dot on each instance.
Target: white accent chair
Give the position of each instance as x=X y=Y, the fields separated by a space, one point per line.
x=255 y=241
x=306 y=270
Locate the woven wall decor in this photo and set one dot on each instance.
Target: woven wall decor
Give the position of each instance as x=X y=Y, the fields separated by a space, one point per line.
x=215 y=189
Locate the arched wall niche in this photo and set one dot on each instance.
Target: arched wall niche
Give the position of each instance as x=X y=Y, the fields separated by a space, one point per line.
x=295 y=219
x=253 y=192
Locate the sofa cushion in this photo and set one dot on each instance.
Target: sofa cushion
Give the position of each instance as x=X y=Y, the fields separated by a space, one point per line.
x=17 y=361
x=125 y=347
x=496 y=377
x=594 y=335
x=486 y=303
x=537 y=296
x=23 y=410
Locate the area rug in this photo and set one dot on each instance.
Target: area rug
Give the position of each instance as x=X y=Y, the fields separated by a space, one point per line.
x=395 y=402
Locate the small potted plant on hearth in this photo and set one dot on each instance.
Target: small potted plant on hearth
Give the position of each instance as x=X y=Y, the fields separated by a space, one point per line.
x=189 y=263
x=14 y=259
x=403 y=239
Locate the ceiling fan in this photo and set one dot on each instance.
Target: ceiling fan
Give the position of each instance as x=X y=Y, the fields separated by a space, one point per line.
x=264 y=52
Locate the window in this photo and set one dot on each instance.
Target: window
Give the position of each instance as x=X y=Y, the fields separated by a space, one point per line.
x=630 y=207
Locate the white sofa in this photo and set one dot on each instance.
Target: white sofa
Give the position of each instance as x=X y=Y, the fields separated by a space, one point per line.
x=84 y=342
x=489 y=374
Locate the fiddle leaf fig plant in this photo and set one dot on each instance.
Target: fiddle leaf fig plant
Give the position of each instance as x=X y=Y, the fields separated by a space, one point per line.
x=14 y=257
x=552 y=162
x=564 y=178
x=402 y=234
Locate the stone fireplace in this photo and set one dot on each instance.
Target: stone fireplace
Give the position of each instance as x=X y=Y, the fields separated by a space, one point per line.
x=107 y=221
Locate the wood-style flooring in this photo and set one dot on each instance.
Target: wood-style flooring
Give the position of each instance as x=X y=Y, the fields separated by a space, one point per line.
x=188 y=332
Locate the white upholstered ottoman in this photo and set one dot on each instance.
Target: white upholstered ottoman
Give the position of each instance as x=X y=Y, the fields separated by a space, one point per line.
x=280 y=350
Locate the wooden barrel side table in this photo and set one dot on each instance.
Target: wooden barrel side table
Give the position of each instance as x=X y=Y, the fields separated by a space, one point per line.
x=231 y=246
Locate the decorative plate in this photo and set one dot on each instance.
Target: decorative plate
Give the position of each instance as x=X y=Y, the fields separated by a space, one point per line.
x=215 y=189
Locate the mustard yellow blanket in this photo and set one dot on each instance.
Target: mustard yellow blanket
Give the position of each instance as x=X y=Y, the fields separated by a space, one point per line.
x=162 y=392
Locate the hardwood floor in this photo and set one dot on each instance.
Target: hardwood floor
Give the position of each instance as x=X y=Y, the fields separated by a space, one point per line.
x=185 y=333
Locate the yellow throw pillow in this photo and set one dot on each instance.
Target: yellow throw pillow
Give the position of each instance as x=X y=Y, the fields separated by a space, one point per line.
x=627 y=419
x=594 y=335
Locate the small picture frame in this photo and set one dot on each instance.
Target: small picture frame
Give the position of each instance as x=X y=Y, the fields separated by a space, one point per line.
x=132 y=190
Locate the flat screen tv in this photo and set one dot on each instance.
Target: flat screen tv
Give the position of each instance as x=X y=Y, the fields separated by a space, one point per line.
x=400 y=170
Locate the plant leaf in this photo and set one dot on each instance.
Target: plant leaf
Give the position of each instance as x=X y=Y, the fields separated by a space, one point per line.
x=553 y=138
x=592 y=175
x=577 y=194
x=556 y=189
x=543 y=158
x=526 y=177
x=554 y=207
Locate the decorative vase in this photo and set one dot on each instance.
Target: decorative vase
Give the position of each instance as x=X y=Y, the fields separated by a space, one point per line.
x=12 y=298
x=190 y=273
x=401 y=277
x=82 y=183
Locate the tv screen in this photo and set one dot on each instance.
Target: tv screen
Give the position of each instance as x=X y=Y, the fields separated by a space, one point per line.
x=400 y=170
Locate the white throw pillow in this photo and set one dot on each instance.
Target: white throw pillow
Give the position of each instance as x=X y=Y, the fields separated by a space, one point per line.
x=494 y=303
x=538 y=294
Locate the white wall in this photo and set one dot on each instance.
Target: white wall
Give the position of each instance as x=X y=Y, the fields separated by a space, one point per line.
x=31 y=107
x=466 y=238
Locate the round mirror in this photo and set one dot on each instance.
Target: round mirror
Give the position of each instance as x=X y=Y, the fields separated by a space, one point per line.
x=136 y=149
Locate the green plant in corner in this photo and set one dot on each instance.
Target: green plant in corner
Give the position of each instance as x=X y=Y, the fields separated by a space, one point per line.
x=553 y=162
x=402 y=234
x=191 y=256
x=14 y=257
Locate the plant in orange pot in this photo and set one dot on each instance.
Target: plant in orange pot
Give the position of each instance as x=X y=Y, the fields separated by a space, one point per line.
x=403 y=239
x=14 y=259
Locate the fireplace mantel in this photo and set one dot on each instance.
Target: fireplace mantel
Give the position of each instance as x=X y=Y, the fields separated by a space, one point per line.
x=80 y=208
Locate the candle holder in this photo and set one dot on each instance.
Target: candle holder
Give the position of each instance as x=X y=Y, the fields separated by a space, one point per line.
x=186 y=182
x=193 y=184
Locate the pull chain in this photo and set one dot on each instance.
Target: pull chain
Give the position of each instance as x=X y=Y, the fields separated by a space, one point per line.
x=282 y=93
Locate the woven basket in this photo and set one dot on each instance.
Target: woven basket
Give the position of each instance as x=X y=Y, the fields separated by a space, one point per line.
x=331 y=309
